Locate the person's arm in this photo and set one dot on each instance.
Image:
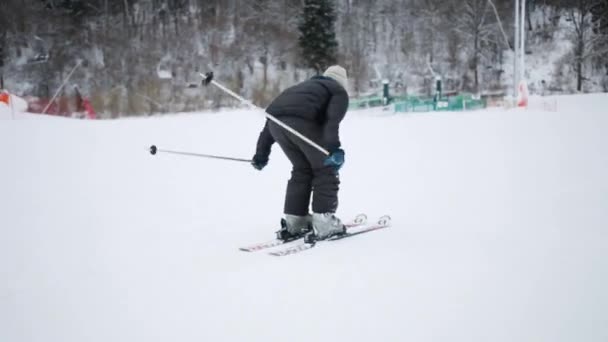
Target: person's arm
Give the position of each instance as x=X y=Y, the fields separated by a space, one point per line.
x=264 y=144
x=336 y=109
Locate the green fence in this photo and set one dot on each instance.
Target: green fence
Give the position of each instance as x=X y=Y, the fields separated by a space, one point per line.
x=406 y=104
x=451 y=103
x=414 y=104
x=366 y=102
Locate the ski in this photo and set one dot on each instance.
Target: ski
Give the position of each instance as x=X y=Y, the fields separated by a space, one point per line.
x=358 y=221
x=383 y=222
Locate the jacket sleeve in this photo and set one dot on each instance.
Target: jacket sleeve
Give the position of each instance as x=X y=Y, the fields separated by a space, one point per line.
x=265 y=142
x=336 y=109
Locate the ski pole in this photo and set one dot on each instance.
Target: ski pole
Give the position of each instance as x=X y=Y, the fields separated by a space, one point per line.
x=154 y=150
x=208 y=78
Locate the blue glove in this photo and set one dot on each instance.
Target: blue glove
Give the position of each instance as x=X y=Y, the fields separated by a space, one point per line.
x=335 y=159
x=258 y=162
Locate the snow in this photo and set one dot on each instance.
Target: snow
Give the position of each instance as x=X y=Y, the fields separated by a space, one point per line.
x=499 y=230
x=15 y=106
x=5 y=111
x=164 y=74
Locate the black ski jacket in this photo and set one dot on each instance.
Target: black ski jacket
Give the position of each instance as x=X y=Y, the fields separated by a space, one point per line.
x=319 y=99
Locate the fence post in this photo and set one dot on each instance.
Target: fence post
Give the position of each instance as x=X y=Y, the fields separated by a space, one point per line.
x=385 y=95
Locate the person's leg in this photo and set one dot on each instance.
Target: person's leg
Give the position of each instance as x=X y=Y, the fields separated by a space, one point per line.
x=325 y=223
x=324 y=180
x=326 y=185
x=299 y=186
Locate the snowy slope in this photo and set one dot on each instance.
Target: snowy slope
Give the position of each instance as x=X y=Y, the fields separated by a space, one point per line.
x=500 y=231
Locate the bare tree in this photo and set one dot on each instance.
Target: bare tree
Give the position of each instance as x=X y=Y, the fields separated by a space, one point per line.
x=123 y=42
x=431 y=15
x=474 y=23
x=588 y=40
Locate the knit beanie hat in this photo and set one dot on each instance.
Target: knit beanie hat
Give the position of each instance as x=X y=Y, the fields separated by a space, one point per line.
x=338 y=73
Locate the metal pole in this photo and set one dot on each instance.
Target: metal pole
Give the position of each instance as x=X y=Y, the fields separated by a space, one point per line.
x=522 y=27
x=270 y=117
x=61 y=87
x=153 y=150
x=10 y=101
x=516 y=50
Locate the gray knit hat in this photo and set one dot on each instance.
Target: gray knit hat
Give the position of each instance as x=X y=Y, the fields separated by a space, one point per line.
x=338 y=73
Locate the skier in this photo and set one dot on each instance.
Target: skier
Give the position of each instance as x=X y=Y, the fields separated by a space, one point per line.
x=314 y=108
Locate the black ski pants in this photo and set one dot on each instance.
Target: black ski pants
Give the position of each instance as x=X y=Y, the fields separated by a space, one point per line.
x=308 y=175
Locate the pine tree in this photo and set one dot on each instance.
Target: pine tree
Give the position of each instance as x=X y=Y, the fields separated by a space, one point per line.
x=317 y=40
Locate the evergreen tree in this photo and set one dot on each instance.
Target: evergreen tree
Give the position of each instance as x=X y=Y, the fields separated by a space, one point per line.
x=317 y=40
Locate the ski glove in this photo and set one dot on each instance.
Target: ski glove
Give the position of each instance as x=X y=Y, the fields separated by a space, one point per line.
x=258 y=162
x=335 y=159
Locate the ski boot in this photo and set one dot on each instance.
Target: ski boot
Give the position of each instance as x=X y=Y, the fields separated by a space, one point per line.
x=294 y=227
x=324 y=226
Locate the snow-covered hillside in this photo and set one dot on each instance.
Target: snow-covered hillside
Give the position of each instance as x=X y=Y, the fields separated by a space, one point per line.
x=499 y=231
x=152 y=63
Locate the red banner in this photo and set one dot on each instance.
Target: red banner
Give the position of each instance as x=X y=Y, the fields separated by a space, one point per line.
x=4 y=97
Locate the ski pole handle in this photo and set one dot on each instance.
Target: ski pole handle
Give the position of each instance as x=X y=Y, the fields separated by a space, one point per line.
x=154 y=150
x=208 y=78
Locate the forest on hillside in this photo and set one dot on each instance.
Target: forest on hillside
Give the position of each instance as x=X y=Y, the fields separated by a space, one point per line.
x=144 y=56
